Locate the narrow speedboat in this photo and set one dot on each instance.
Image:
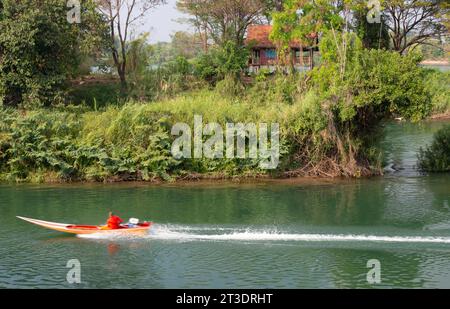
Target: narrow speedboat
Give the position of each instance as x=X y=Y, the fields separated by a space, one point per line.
x=138 y=228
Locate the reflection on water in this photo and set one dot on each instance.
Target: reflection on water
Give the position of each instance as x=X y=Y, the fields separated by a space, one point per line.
x=266 y=235
x=403 y=141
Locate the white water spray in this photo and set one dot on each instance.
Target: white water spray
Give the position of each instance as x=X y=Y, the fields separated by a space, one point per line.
x=186 y=233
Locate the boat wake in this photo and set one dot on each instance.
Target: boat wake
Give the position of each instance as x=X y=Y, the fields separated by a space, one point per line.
x=185 y=233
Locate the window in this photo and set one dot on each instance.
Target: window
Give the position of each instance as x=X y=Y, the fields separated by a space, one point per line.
x=271 y=53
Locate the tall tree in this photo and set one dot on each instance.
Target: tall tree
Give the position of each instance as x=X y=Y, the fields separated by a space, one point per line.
x=186 y=44
x=224 y=20
x=415 y=22
x=121 y=15
x=271 y=7
x=40 y=49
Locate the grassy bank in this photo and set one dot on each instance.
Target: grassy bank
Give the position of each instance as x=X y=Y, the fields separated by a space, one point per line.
x=329 y=120
x=133 y=142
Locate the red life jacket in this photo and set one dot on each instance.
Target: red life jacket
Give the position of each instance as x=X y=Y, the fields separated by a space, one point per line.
x=114 y=222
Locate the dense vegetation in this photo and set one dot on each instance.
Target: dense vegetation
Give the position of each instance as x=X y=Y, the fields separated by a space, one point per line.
x=438 y=85
x=322 y=133
x=40 y=50
x=436 y=158
x=58 y=125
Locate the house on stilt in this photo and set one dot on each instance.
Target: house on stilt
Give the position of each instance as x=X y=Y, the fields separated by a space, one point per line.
x=264 y=52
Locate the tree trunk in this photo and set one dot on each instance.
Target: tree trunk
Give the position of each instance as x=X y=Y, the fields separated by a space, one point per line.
x=123 y=80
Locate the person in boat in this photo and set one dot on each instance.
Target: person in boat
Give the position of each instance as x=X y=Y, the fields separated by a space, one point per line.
x=114 y=222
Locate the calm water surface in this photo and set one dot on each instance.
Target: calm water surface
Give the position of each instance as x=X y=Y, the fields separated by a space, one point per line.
x=303 y=234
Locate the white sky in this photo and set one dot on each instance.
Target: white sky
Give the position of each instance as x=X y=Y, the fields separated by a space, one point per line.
x=161 y=22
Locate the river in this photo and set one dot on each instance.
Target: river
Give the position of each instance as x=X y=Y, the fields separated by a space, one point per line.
x=267 y=234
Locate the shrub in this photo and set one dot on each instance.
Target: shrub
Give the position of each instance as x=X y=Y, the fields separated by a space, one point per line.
x=389 y=84
x=262 y=75
x=231 y=59
x=205 y=68
x=436 y=158
x=96 y=95
x=230 y=86
x=437 y=83
x=219 y=63
x=166 y=80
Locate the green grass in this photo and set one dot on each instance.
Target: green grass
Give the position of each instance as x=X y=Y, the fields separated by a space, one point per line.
x=129 y=142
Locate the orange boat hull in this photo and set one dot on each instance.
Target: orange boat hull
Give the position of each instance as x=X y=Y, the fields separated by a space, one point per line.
x=89 y=229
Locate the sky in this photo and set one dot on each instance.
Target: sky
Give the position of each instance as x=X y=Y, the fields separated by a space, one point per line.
x=161 y=22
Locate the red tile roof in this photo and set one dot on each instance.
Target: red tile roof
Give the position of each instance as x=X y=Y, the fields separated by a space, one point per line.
x=258 y=36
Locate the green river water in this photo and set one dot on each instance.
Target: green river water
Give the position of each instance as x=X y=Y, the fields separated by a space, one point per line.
x=271 y=234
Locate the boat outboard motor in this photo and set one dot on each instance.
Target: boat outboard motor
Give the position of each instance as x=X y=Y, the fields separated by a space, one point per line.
x=133 y=222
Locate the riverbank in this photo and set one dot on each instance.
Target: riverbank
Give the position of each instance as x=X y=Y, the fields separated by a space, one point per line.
x=133 y=142
x=441 y=116
x=236 y=182
x=328 y=126
x=131 y=145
